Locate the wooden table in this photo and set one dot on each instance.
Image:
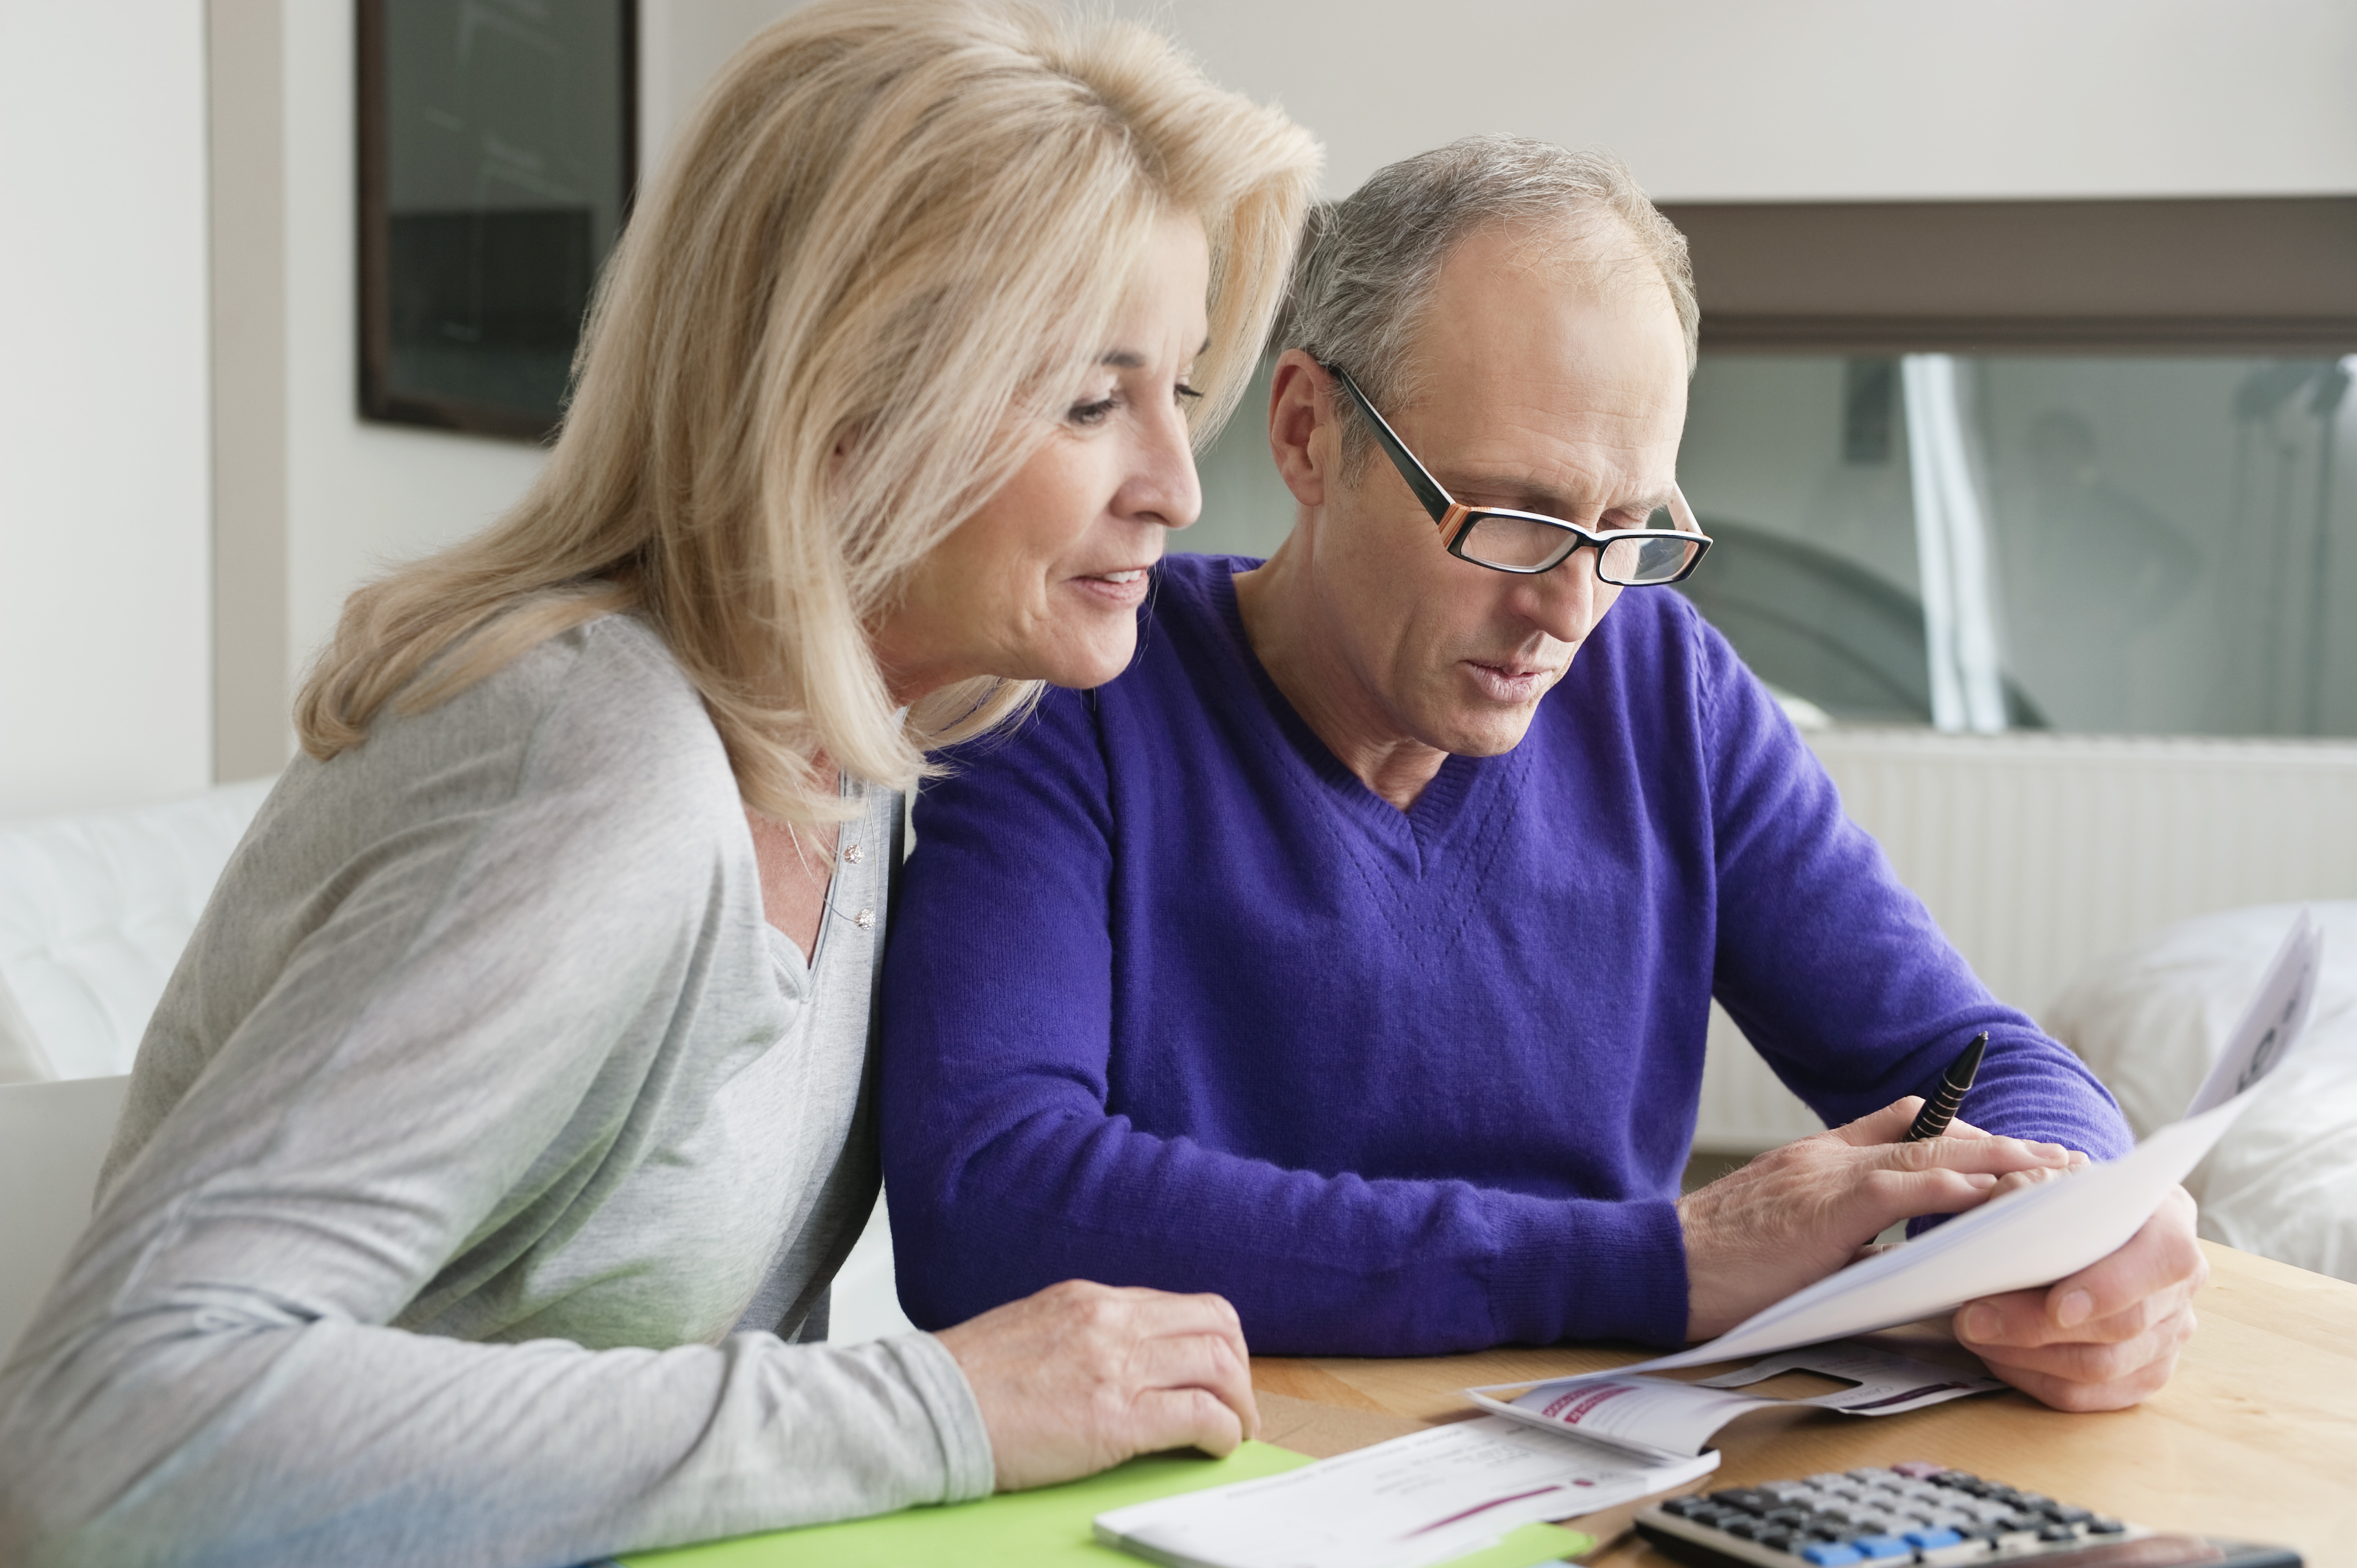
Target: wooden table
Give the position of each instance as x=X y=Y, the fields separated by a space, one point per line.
x=2257 y=1435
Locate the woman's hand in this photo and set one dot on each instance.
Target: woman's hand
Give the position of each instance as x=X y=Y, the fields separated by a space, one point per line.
x=1796 y=1213
x=1083 y=1376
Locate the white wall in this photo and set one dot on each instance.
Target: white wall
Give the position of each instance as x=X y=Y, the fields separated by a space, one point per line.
x=1799 y=100
x=360 y=495
x=104 y=408
x=1734 y=99
x=103 y=598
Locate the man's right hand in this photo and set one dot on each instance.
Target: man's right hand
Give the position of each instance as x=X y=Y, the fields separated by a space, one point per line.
x=1081 y=1375
x=1796 y=1213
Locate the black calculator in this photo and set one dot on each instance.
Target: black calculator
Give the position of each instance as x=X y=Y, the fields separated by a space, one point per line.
x=1918 y=1512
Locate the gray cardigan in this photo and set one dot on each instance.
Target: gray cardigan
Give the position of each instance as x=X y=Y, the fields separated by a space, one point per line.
x=484 y=1136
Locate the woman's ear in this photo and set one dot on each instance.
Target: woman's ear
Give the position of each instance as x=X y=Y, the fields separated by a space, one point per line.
x=1302 y=434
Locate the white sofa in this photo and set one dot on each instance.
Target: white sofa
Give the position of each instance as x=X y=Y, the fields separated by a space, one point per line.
x=2153 y=1016
x=95 y=909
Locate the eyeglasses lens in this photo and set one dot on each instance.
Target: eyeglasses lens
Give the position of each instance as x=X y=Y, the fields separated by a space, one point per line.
x=1516 y=543
x=1656 y=560
x=1522 y=545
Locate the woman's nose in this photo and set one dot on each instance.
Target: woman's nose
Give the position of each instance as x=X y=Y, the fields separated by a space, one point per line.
x=1163 y=487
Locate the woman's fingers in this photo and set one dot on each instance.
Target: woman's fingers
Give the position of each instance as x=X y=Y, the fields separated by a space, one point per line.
x=1209 y=1363
x=1182 y=1418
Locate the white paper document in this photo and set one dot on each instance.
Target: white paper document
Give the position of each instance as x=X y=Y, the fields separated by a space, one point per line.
x=1667 y=1420
x=1422 y=1498
x=2042 y=1233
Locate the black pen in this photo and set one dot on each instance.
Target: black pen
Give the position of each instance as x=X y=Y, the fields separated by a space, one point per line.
x=1941 y=1109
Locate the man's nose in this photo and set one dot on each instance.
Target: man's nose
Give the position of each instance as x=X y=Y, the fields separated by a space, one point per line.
x=1566 y=602
x=1162 y=486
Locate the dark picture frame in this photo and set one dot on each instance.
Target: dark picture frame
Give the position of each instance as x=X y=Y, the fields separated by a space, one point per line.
x=498 y=155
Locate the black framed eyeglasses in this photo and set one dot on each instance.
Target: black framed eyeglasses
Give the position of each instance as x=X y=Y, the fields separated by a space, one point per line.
x=1529 y=543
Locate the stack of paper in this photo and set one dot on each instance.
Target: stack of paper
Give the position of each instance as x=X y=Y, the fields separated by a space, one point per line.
x=1664 y=1419
x=1424 y=1498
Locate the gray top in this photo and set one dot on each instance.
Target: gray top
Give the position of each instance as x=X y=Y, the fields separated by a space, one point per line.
x=484 y=1105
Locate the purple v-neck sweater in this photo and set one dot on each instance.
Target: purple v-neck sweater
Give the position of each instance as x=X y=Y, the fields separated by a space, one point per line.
x=1173 y=1000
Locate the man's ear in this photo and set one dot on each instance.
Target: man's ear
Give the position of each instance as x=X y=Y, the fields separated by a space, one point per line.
x=1302 y=434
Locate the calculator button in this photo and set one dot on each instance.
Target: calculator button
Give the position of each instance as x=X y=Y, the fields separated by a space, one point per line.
x=2058 y=1532
x=2062 y=1513
x=1884 y=1549
x=1826 y=1554
x=1931 y=1538
x=2102 y=1526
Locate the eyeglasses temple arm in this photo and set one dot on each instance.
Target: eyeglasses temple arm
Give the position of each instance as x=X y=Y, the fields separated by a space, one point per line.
x=1437 y=503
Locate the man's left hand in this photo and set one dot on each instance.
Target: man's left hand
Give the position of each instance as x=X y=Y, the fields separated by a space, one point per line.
x=2108 y=1335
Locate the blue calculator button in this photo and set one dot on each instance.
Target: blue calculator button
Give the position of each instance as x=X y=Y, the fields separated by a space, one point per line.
x=1932 y=1540
x=1883 y=1548
x=1826 y=1555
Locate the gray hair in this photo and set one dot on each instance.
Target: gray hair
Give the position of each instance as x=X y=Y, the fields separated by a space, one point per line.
x=1368 y=264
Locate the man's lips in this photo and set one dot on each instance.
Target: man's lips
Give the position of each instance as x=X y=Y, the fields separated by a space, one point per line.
x=1513 y=681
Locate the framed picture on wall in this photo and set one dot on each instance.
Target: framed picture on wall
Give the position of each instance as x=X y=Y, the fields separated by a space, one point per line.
x=498 y=152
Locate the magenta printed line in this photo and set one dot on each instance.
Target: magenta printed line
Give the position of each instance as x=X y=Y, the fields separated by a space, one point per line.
x=1901 y=1399
x=1479 y=1508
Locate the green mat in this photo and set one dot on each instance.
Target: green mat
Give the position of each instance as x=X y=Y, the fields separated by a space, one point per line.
x=1042 y=1529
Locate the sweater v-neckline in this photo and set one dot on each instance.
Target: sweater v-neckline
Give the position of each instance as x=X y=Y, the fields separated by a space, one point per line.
x=1429 y=824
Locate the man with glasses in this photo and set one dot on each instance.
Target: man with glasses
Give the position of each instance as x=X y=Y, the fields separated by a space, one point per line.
x=1350 y=954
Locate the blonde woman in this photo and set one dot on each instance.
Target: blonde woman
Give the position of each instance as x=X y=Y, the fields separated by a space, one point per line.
x=500 y=1133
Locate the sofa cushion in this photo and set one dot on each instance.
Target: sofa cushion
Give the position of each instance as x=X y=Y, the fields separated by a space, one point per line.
x=22 y=1060
x=2151 y=1019
x=95 y=909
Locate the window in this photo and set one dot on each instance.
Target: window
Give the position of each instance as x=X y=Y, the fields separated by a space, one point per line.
x=2082 y=466
x=2158 y=544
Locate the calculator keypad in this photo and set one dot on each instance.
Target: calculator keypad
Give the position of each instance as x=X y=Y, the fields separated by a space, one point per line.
x=1914 y=1512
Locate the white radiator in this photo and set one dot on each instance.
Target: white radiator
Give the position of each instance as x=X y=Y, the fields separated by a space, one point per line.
x=2037 y=853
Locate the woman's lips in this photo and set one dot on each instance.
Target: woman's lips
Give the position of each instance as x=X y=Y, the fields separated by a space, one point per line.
x=1123 y=585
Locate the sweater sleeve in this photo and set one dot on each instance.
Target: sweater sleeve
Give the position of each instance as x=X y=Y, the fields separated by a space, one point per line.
x=1835 y=973
x=1009 y=1172
x=217 y=1378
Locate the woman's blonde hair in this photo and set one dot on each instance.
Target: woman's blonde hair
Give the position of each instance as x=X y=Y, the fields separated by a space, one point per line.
x=887 y=248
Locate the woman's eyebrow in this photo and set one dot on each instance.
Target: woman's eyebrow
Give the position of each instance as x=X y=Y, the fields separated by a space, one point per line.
x=1131 y=360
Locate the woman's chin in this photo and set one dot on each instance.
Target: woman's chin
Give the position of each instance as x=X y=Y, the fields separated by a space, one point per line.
x=1078 y=667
